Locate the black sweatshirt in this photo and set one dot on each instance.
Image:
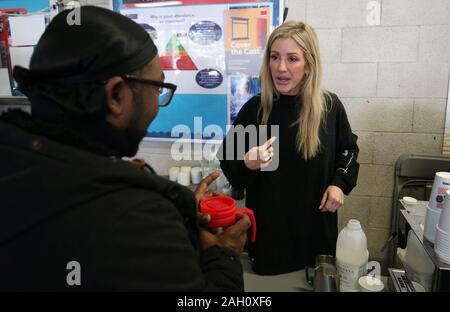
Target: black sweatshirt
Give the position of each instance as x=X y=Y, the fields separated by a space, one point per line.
x=291 y=230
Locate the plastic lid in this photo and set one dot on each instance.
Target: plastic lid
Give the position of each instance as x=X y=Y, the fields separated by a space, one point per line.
x=223 y=211
x=443 y=174
x=370 y=283
x=409 y=200
x=354 y=224
x=221 y=203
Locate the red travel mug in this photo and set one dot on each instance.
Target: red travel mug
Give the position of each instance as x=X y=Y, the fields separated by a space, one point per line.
x=223 y=212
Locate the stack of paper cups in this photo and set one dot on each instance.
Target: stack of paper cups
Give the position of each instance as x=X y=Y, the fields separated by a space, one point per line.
x=173 y=173
x=196 y=175
x=431 y=219
x=440 y=185
x=184 y=178
x=442 y=245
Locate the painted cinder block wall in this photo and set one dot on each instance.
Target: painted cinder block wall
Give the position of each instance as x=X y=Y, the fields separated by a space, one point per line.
x=393 y=80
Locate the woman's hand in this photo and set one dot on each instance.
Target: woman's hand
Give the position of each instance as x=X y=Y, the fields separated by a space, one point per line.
x=260 y=156
x=332 y=199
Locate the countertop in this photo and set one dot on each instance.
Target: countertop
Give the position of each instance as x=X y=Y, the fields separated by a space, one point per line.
x=290 y=282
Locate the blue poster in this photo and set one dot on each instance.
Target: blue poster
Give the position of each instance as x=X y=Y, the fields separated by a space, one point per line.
x=30 y=5
x=193 y=40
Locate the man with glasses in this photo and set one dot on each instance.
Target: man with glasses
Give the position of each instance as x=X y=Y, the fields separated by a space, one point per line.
x=74 y=215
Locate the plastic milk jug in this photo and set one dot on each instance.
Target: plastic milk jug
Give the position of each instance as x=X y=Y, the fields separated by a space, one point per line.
x=351 y=255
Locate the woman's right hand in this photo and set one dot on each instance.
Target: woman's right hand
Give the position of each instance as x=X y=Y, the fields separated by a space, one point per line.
x=260 y=156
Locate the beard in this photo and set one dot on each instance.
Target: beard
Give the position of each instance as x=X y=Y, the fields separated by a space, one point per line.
x=133 y=133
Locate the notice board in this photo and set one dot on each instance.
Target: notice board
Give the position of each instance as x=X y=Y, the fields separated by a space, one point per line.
x=212 y=50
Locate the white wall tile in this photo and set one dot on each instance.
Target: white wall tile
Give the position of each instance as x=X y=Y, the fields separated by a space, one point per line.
x=390 y=146
x=380 y=44
x=375 y=180
x=435 y=44
x=297 y=10
x=330 y=45
x=380 y=114
x=355 y=207
x=415 y=12
x=371 y=211
x=380 y=212
x=336 y=13
x=365 y=145
x=413 y=80
x=351 y=80
x=429 y=115
x=150 y=146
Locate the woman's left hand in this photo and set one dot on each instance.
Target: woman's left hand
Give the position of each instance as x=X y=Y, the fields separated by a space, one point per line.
x=332 y=199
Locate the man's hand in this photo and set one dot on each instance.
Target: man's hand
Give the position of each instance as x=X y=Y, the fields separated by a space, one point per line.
x=260 y=156
x=202 y=192
x=234 y=237
x=332 y=199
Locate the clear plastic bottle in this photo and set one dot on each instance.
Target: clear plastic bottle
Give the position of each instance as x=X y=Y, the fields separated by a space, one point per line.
x=351 y=255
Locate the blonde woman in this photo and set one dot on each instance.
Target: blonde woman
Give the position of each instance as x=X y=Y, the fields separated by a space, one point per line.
x=295 y=205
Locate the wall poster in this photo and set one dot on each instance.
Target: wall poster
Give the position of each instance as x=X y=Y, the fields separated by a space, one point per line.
x=212 y=50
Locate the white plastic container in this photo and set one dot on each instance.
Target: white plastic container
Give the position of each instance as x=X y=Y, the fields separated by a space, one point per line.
x=351 y=255
x=196 y=175
x=173 y=173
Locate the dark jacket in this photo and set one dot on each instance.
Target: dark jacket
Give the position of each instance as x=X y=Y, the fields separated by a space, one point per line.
x=128 y=228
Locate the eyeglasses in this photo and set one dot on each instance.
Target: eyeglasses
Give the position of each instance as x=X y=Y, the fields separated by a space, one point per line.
x=166 y=90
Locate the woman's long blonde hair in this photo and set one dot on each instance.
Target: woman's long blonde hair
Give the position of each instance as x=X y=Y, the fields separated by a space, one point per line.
x=313 y=107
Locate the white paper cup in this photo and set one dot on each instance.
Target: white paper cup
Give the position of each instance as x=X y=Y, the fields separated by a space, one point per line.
x=443 y=234
x=442 y=256
x=431 y=219
x=173 y=173
x=442 y=244
x=184 y=178
x=443 y=253
x=442 y=240
x=441 y=184
x=369 y=283
x=444 y=219
x=196 y=175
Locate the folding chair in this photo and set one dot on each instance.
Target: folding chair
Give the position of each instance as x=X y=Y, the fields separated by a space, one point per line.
x=411 y=171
